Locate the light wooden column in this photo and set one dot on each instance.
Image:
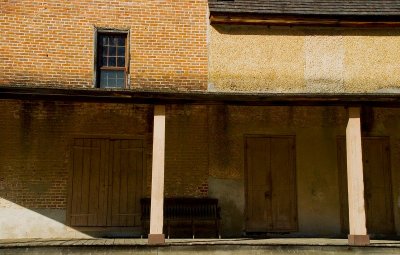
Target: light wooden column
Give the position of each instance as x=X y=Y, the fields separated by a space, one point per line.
x=156 y=235
x=357 y=221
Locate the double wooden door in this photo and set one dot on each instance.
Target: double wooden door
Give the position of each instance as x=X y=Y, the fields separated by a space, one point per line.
x=271 y=184
x=377 y=185
x=106 y=182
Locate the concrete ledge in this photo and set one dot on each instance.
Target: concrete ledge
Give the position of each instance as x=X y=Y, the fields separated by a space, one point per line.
x=359 y=240
x=156 y=239
x=199 y=249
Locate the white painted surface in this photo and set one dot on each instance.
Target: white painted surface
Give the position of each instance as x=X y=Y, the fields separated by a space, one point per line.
x=357 y=220
x=157 y=179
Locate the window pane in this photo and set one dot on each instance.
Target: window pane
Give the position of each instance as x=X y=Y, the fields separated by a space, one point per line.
x=111 y=51
x=112 y=83
x=112 y=79
x=103 y=61
x=121 y=61
x=113 y=40
x=121 y=41
x=103 y=80
x=120 y=74
x=111 y=61
x=105 y=40
x=120 y=83
x=121 y=51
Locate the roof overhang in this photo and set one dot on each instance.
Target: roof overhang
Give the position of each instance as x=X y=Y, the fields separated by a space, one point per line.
x=200 y=97
x=303 y=20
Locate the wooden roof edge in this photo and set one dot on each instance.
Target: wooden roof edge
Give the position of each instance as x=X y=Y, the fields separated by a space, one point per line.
x=199 y=97
x=303 y=20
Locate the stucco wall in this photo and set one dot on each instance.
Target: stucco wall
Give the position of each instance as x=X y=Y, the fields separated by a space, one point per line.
x=284 y=59
x=316 y=130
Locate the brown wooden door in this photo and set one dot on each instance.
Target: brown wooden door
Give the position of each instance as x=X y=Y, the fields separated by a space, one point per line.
x=89 y=198
x=107 y=182
x=377 y=185
x=127 y=179
x=271 y=184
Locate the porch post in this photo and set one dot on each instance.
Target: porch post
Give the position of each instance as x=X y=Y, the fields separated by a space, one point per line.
x=355 y=180
x=156 y=235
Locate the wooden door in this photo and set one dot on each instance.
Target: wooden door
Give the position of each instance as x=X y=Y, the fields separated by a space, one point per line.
x=271 y=184
x=127 y=179
x=89 y=181
x=377 y=185
x=107 y=182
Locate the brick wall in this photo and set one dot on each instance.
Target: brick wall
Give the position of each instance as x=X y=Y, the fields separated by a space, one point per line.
x=35 y=144
x=51 y=43
x=186 y=151
x=36 y=136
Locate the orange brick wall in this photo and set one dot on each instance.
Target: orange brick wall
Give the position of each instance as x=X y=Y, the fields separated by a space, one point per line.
x=51 y=43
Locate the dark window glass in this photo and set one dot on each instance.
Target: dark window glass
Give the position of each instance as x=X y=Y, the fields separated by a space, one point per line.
x=121 y=41
x=121 y=51
x=121 y=61
x=112 y=51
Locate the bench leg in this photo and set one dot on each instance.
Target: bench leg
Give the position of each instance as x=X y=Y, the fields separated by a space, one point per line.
x=193 y=229
x=168 y=229
x=218 y=228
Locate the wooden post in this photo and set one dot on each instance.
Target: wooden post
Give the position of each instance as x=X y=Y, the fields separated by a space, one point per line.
x=156 y=235
x=357 y=221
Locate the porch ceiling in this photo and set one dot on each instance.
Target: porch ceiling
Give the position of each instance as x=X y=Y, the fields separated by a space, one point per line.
x=201 y=97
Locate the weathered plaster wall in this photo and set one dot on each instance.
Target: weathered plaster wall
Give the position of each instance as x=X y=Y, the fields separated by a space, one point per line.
x=283 y=59
x=316 y=130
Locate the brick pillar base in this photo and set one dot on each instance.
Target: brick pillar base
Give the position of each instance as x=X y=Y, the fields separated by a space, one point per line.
x=359 y=240
x=156 y=239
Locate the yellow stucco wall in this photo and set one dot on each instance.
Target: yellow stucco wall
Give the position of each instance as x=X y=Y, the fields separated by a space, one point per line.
x=284 y=59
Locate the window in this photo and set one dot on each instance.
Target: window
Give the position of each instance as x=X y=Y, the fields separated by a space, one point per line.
x=112 y=66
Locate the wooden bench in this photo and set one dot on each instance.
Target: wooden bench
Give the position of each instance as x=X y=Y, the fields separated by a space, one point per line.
x=193 y=211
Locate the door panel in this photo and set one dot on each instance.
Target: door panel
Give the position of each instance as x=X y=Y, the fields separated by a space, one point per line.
x=127 y=179
x=271 y=187
x=86 y=195
x=377 y=185
x=258 y=178
x=283 y=182
x=107 y=179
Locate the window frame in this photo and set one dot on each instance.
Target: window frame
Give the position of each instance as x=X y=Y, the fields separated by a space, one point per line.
x=98 y=54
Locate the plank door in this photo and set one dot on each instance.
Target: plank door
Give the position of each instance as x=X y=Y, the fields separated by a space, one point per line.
x=89 y=183
x=271 y=184
x=377 y=185
x=126 y=182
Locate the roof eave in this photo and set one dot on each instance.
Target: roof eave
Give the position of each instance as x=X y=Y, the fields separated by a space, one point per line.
x=303 y=20
x=201 y=97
